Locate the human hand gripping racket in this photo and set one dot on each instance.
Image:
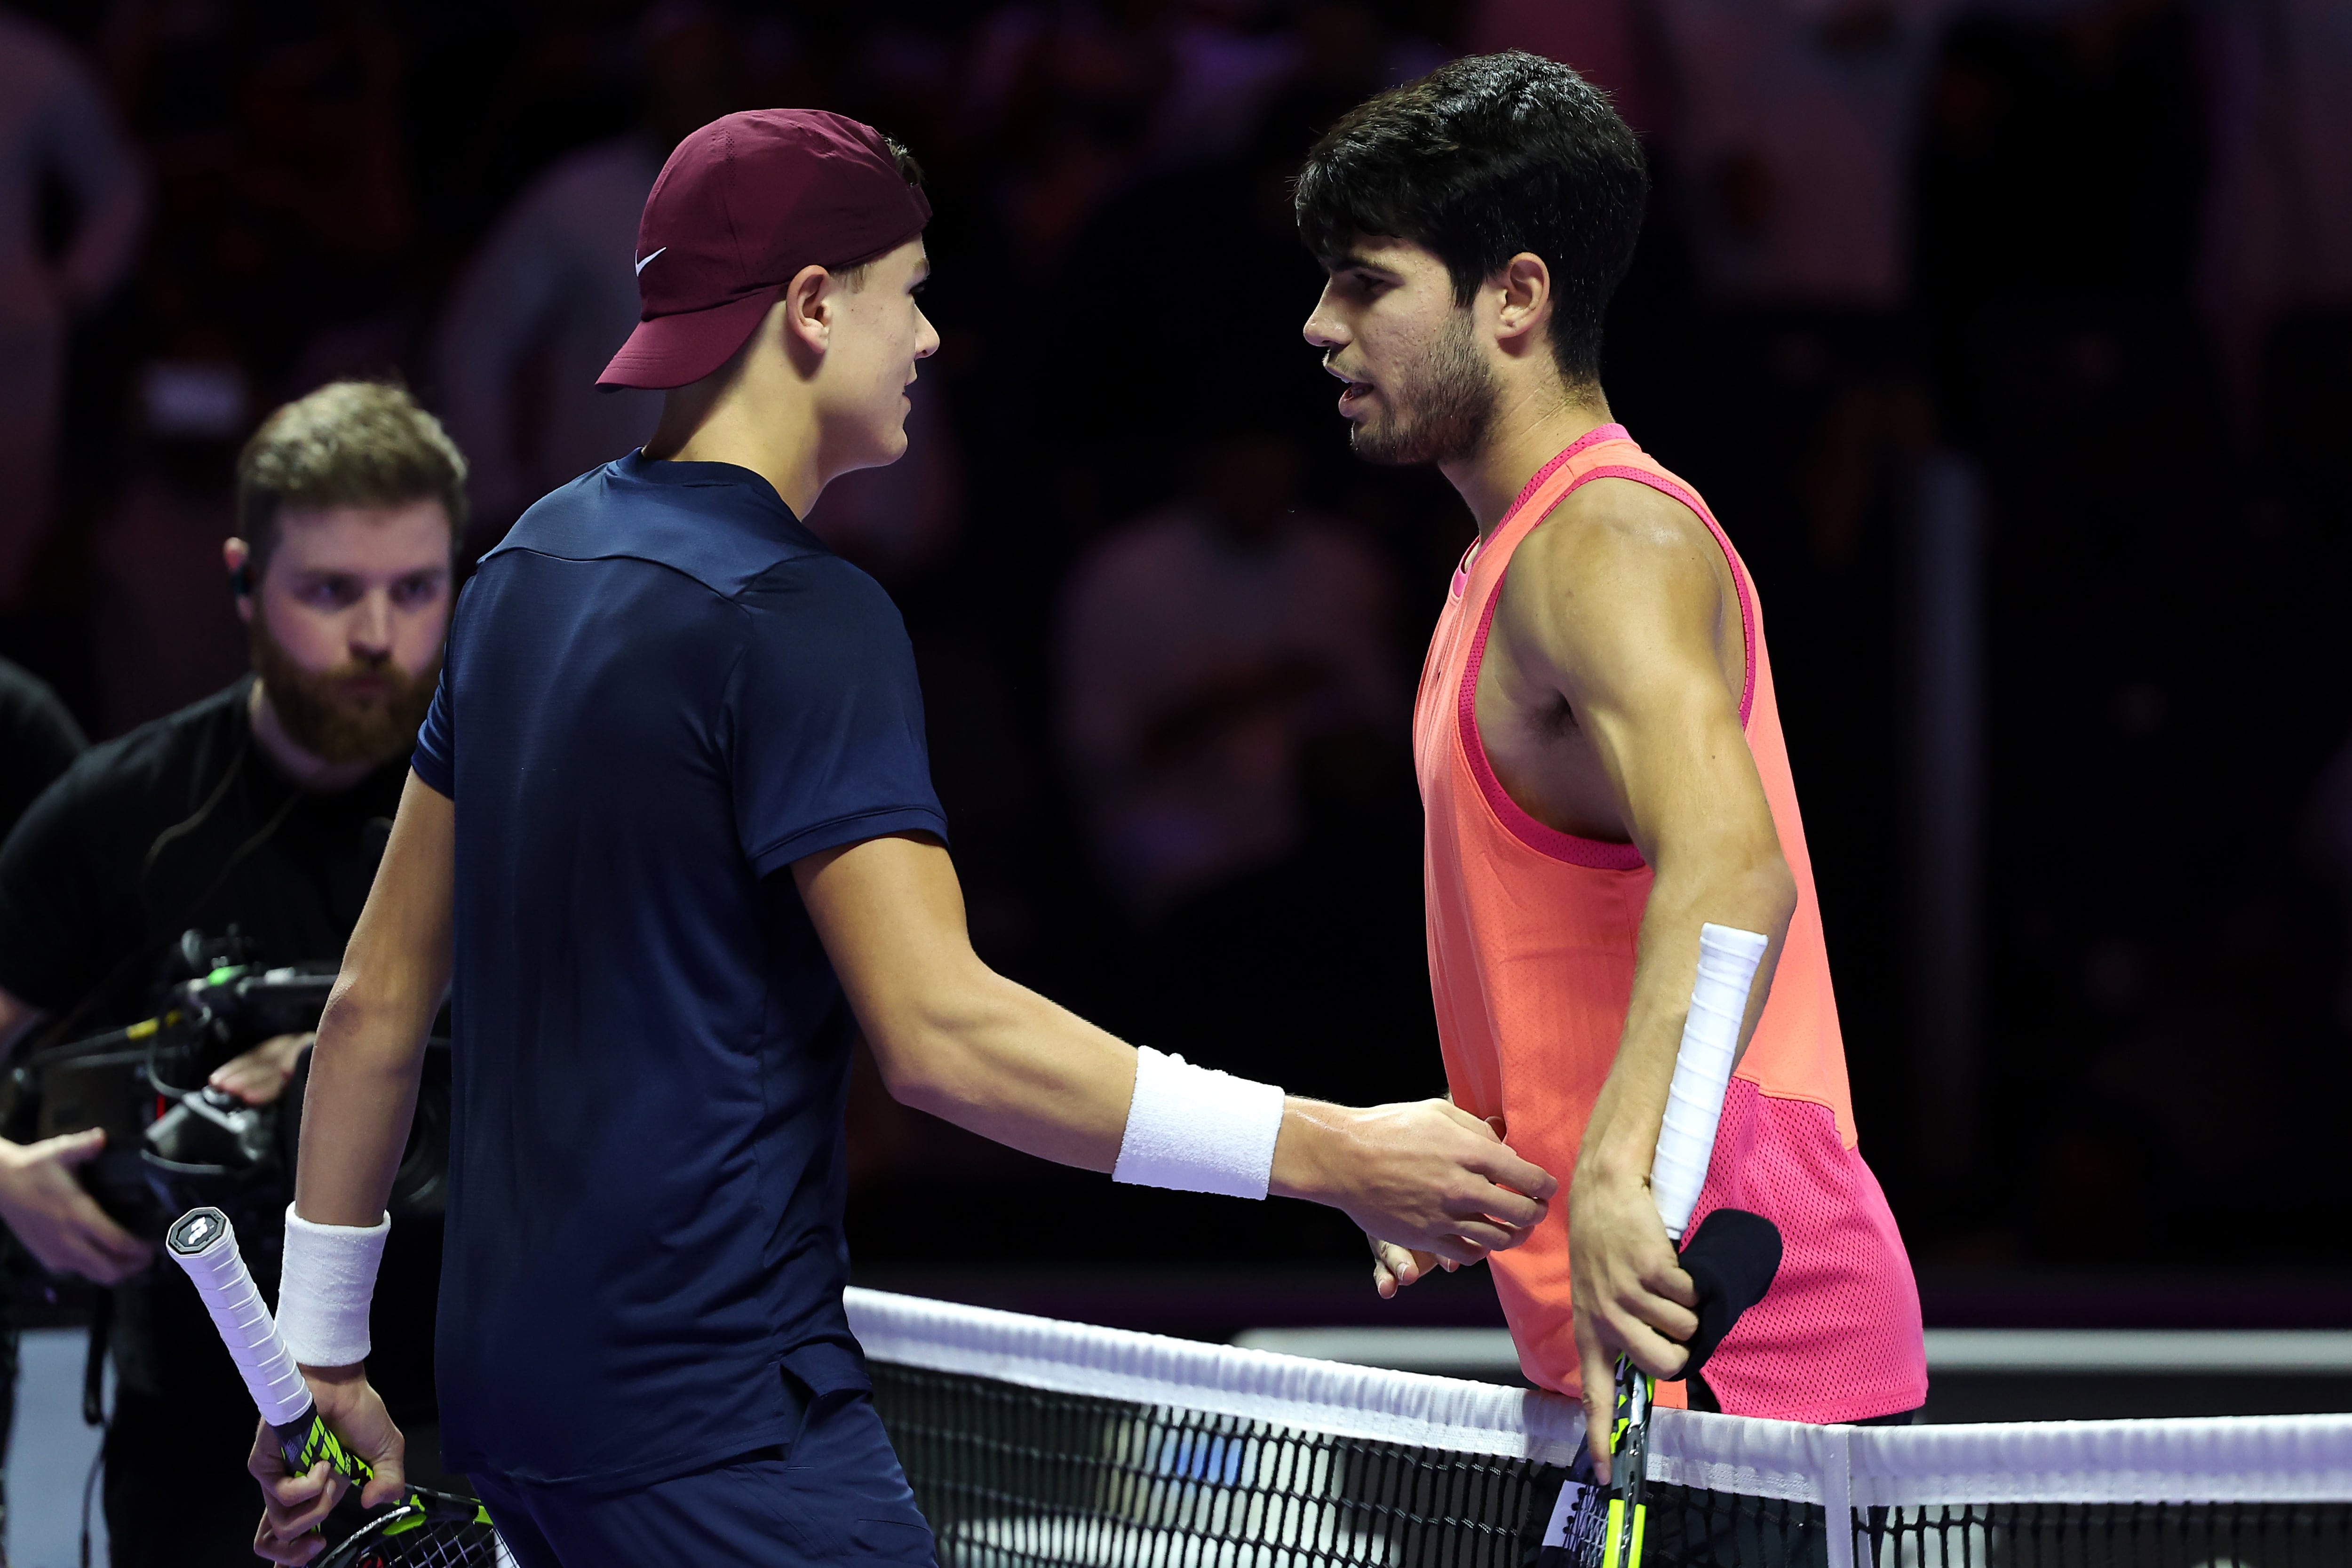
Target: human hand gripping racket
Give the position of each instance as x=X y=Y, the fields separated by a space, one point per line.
x=1732 y=1258
x=424 y=1527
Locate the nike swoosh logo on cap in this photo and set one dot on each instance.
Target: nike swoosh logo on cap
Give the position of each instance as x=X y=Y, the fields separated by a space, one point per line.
x=642 y=265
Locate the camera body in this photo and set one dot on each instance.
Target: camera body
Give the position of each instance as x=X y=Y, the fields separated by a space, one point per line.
x=172 y=1142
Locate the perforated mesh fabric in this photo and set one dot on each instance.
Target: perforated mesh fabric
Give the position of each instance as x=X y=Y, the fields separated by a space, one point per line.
x=1837 y=1336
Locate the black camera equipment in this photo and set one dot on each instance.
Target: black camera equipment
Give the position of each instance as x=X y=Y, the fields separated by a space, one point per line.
x=172 y=1142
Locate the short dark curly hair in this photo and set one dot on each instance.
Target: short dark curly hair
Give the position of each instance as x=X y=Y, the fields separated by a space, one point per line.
x=1482 y=159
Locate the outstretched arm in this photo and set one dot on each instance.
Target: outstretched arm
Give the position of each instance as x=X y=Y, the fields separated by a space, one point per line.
x=955 y=1038
x=1621 y=611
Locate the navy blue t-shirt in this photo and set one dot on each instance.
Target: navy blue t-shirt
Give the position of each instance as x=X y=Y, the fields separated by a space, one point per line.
x=661 y=689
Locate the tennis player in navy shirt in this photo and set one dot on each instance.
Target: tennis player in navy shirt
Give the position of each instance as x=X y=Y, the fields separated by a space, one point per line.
x=670 y=836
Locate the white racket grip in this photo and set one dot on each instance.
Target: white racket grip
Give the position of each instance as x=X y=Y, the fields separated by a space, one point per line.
x=1728 y=958
x=203 y=1243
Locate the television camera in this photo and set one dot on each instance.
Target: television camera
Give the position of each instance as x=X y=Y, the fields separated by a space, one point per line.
x=173 y=1142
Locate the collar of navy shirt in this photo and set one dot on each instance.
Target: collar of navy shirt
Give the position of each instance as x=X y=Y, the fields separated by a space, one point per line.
x=718 y=522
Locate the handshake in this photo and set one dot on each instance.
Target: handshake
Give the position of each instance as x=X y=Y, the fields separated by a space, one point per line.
x=1427 y=1182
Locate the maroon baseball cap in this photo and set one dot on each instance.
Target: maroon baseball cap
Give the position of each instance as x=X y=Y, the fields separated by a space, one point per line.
x=740 y=207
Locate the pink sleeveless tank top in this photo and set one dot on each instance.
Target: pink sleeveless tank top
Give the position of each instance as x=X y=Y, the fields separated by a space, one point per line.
x=1531 y=950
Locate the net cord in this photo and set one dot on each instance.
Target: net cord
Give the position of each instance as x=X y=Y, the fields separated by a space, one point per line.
x=1256 y=1385
x=2262 y=1458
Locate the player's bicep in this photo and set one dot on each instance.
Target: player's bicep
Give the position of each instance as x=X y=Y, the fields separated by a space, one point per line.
x=882 y=906
x=890 y=911
x=1624 y=622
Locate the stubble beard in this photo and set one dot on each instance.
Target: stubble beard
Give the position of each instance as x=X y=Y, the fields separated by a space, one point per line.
x=326 y=720
x=1442 y=412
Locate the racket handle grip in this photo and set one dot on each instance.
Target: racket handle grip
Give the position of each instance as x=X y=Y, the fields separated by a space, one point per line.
x=203 y=1243
x=1727 y=960
x=308 y=1439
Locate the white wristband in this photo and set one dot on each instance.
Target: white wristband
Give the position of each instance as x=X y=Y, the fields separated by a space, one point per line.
x=1198 y=1130
x=325 y=1288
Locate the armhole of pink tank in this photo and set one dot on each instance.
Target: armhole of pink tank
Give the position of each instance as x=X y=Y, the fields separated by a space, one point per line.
x=1666 y=487
x=1598 y=854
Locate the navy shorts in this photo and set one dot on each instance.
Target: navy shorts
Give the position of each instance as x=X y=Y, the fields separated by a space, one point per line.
x=836 y=1496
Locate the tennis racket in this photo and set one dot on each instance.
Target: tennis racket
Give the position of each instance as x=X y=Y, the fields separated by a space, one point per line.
x=1603 y=1527
x=425 y=1529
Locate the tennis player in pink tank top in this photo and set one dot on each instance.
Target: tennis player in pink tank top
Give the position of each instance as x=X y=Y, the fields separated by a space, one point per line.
x=1601 y=759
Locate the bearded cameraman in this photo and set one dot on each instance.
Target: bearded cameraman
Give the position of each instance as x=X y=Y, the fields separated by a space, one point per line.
x=262 y=808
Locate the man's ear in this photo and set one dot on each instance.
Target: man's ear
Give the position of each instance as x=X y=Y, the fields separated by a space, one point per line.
x=808 y=315
x=1525 y=282
x=238 y=556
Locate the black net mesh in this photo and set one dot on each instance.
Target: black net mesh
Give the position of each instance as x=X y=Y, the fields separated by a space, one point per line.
x=1014 y=1477
x=2111 y=1535
x=1017 y=1477
x=1711 y=1528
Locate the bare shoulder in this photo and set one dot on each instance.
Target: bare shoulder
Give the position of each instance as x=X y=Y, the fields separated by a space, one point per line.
x=1620 y=524
x=1612 y=547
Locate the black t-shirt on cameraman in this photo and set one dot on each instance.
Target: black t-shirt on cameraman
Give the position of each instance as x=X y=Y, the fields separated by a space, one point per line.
x=185 y=824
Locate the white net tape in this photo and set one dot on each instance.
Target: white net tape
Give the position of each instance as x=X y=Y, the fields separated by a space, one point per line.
x=2273 y=1459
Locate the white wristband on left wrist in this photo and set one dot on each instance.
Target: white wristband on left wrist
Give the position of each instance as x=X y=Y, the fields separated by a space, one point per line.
x=325 y=1288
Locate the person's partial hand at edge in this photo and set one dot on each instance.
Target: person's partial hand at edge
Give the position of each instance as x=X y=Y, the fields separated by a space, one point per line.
x=260 y=1075
x=58 y=1222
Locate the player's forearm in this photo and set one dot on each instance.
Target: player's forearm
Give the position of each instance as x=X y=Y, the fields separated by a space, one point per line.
x=955 y=1038
x=361 y=1100
x=996 y=1058
x=1006 y=1063
x=1745 y=886
x=952 y=1037
x=370 y=1045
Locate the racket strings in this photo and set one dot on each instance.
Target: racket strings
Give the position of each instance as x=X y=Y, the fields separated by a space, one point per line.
x=431 y=1543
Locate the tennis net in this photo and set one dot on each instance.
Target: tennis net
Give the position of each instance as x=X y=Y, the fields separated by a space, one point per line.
x=1036 y=1444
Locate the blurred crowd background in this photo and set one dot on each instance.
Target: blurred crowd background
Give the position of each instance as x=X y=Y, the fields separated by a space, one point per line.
x=2012 y=341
